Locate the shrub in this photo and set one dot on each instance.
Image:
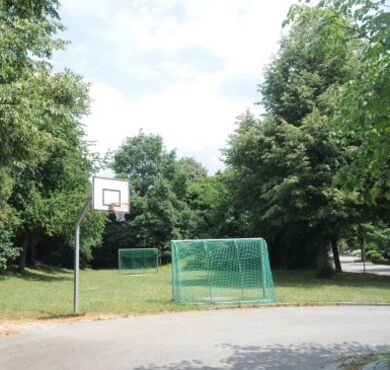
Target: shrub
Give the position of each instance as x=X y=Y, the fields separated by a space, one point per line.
x=356 y=253
x=377 y=257
x=370 y=253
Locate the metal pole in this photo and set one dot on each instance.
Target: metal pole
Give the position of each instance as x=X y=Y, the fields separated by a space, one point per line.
x=77 y=256
x=239 y=270
x=364 y=255
x=76 y=271
x=362 y=248
x=263 y=268
x=208 y=270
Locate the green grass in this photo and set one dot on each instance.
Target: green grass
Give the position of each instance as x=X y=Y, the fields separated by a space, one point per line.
x=365 y=360
x=49 y=293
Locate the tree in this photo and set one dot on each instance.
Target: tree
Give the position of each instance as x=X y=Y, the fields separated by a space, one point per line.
x=143 y=159
x=26 y=43
x=48 y=194
x=192 y=169
x=188 y=172
x=159 y=212
x=361 y=118
x=211 y=200
x=27 y=30
x=45 y=164
x=284 y=165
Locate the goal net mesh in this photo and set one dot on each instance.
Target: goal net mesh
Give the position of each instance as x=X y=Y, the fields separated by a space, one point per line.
x=221 y=271
x=138 y=260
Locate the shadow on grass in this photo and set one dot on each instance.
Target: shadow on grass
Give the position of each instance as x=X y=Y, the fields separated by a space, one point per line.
x=292 y=278
x=52 y=316
x=52 y=269
x=43 y=273
x=307 y=280
x=278 y=357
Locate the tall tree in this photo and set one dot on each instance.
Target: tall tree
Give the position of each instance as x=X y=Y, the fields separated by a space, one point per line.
x=284 y=165
x=143 y=159
x=27 y=30
x=48 y=194
x=159 y=212
x=362 y=114
x=44 y=164
x=211 y=200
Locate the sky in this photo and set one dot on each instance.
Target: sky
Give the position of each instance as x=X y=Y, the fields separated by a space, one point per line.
x=183 y=69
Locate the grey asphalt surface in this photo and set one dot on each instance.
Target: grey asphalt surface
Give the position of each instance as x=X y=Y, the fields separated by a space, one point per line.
x=353 y=264
x=262 y=338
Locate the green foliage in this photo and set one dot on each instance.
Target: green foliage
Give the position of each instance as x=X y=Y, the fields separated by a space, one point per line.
x=306 y=72
x=283 y=166
x=26 y=43
x=356 y=253
x=48 y=194
x=8 y=223
x=212 y=202
x=192 y=170
x=377 y=257
x=377 y=235
x=159 y=212
x=187 y=173
x=45 y=164
x=361 y=118
x=143 y=159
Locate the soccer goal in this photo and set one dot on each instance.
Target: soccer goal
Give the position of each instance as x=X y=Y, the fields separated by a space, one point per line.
x=138 y=260
x=221 y=271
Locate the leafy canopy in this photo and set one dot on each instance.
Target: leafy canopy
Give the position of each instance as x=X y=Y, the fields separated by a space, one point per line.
x=362 y=113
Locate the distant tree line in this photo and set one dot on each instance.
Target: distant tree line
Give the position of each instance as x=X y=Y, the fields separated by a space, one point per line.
x=170 y=199
x=312 y=172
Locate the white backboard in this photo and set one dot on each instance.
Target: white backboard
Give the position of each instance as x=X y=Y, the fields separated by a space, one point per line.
x=107 y=193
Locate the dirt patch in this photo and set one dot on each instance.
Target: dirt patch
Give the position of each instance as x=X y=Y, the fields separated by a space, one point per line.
x=12 y=327
x=6 y=331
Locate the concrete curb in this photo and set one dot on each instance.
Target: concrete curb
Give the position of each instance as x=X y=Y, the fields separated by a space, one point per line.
x=311 y=304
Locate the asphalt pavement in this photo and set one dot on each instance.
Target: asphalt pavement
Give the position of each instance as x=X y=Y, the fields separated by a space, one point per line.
x=354 y=264
x=251 y=338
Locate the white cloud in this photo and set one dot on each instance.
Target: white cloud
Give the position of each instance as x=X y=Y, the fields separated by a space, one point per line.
x=196 y=110
x=190 y=117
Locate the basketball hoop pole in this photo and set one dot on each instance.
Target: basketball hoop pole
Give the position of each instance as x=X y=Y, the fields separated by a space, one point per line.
x=87 y=205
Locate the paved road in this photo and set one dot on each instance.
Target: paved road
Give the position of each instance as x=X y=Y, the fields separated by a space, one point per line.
x=353 y=264
x=265 y=338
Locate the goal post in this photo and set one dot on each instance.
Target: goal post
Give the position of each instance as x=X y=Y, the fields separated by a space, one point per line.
x=221 y=271
x=138 y=260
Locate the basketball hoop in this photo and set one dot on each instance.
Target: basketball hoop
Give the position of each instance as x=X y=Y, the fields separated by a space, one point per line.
x=119 y=210
x=108 y=195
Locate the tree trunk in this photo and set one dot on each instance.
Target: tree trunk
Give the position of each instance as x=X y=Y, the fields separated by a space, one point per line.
x=321 y=258
x=336 y=257
x=363 y=252
x=33 y=253
x=23 y=255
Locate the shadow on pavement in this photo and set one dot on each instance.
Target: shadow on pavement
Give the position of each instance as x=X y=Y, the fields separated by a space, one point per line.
x=305 y=356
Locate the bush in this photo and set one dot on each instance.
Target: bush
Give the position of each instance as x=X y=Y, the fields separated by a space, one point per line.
x=377 y=257
x=371 y=253
x=356 y=253
x=8 y=252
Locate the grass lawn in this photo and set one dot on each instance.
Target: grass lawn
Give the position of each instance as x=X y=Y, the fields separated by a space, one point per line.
x=365 y=360
x=49 y=293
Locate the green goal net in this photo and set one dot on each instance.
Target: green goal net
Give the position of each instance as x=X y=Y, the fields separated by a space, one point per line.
x=221 y=271
x=138 y=260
